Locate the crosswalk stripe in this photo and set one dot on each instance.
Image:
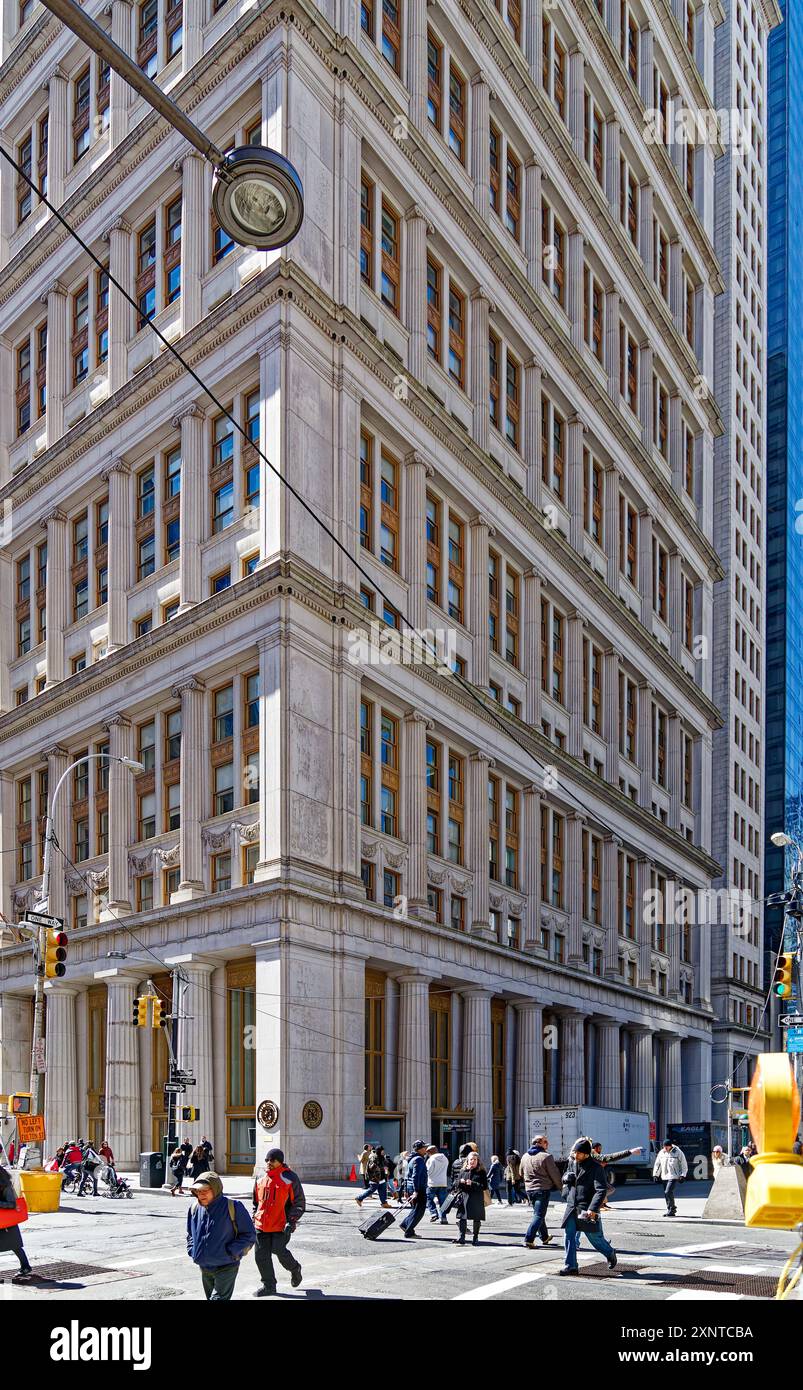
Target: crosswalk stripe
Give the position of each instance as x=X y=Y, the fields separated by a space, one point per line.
x=698 y=1249
x=514 y=1281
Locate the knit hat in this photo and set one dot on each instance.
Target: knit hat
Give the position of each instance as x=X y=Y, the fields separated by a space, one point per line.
x=274 y=1154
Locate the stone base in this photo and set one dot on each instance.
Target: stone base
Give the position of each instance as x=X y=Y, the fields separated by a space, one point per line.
x=188 y=892
x=483 y=931
x=113 y=910
x=726 y=1198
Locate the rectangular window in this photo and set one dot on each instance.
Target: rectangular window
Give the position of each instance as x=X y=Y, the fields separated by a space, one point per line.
x=457 y=113
x=389 y=774
x=494 y=352
x=172 y=251
x=391 y=257
x=434 y=81
x=512 y=400
x=223 y=789
x=367 y=230
x=80 y=126
x=457 y=334
x=434 y=325
x=221 y=873
x=223 y=719
x=391 y=33
x=389 y=512
x=513 y=194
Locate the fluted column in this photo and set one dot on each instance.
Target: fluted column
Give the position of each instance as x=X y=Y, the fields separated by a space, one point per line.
x=531 y=443
x=645 y=71
x=58 y=138
x=192 y=694
x=671 y=1082
x=478 y=767
x=57 y=761
x=574 y=682
x=57 y=595
x=574 y=287
x=644 y=929
x=57 y=359
x=674 y=769
x=641 y=1076
x=416 y=296
x=612 y=528
x=194 y=220
x=676 y=279
x=574 y=468
x=609 y=1086
x=480 y=532
x=531 y=863
x=646 y=232
x=645 y=568
x=675 y=604
x=532 y=648
x=417 y=61
x=574 y=889
x=612 y=154
x=118 y=477
x=532 y=221
x=195 y=1046
x=480 y=372
x=572 y=1060
x=118 y=235
x=533 y=36
x=413 y=1098
x=61 y=1092
x=194 y=17
x=611 y=846
x=416 y=727
x=611 y=19
x=575 y=112
x=529 y=1063
x=122 y=1119
x=194 y=490
x=120 y=827
x=645 y=395
x=612 y=342
x=121 y=11
x=477 y=1091
x=611 y=715
x=644 y=741
x=417 y=471
x=480 y=144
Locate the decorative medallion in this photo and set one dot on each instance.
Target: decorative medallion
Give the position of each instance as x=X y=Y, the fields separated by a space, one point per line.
x=268 y=1114
x=312 y=1114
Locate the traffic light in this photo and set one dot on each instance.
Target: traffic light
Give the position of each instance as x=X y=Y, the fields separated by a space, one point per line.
x=55 y=953
x=189 y=1113
x=774 y=1196
x=139 y=1014
x=156 y=1021
x=782 y=980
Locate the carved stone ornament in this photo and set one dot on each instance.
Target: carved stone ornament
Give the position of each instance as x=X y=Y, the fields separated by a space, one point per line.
x=396 y=860
x=369 y=849
x=217 y=839
x=312 y=1114
x=268 y=1114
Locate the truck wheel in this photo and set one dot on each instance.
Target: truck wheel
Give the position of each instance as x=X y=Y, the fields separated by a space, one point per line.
x=619 y=1179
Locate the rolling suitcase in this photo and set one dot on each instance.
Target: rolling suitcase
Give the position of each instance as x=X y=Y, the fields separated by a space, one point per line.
x=373 y=1226
x=448 y=1202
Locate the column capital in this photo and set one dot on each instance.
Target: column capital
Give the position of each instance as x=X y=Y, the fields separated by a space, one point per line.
x=118 y=225
x=413 y=977
x=614 y=840
x=194 y=410
x=178 y=164
x=55 y=287
x=477 y=295
x=191 y=683
x=476 y=992
x=416 y=213
x=55 y=514
x=58 y=72
x=532 y=789
x=117 y=721
x=532 y=364
x=116 y=466
x=521 y=1003
x=478 y=79
x=478 y=757
x=480 y=520
x=415 y=459
x=533 y=573
x=414 y=716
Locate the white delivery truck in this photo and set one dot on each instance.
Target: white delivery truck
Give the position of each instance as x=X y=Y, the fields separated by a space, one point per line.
x=615 y=1130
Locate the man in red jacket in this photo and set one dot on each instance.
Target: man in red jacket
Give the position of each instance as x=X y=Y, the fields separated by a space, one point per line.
x=279 y=1204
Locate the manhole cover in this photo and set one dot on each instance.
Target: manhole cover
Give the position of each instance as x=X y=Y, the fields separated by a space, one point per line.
x=62 y=1271
x=748 y=1285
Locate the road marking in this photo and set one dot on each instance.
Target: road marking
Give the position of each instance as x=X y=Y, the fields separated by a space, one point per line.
x=149 y=1260
x=737 y=1269
x=698 y=1249
x=501 y=1286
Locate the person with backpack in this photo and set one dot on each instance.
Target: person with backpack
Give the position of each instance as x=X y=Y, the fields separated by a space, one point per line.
x=437 y=1169
x=377 y=1177
x=90 y=1167
x=219 y=1233
x=279 y=1204
x=416 y=1187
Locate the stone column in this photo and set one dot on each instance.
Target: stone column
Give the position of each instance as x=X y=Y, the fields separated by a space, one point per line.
x=576 y=102
x=574 y=889
x=676 y=460
x=480 y=143
x=121 y=745
x=417 y=64
x=414 y=806
x=611 y=715
x=195 y=13
x=122 y=1070
x=645 y=567
x=194 y=741
x=194 y=221
x=531 y=443
x=117 y=475
x=57 y=359
x=611 y=534
x=478 y=768
x=58 y=139
x=532 y=222
x=57 y=761
x=611 y=846
x=641 y=1078
x=645 y=395
x=532 y=647
x=574 y=287
x=646 y=233
x=480 y=373
x=572 y=1060
x=574 y=468
x=644 y=929
x=533 y=36
x=575 y=637
x=531 y=861
x=529 y=1062
x=195 y=1043
x=61 y=1091
x=413 y=1097
x=417 y=470
x=612 y=342
x=671 y=1083
x=416 y=292
x=674 y=769
x=480 y=532
x=57 y=595
x=646 y=67
x=674 y=605
x=477 y=1092
x=194 y=490
x=118 y=235
x=118 y=93
x=273 y=354
x=612 y=152
x=678 y=906
x=609 y=1088
x=676 y=281
x=644 y=742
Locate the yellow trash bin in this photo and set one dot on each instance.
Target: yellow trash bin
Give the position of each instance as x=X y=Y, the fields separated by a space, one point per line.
x=41 y=1190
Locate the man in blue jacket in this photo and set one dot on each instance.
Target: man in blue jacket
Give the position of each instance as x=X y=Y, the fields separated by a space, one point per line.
x=219 y=1233
x=416 y=1187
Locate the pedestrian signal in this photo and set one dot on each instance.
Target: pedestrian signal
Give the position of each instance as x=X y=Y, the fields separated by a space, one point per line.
x=139 y=1011
x=782 y=980
x=55 y=953
x=189 y=1113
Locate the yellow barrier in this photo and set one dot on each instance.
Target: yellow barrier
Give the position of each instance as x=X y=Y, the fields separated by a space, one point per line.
x=41 y=1190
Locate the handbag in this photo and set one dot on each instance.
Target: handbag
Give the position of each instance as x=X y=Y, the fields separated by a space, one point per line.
x=583 y=1222
x=14 y=1216
x=486 y=1196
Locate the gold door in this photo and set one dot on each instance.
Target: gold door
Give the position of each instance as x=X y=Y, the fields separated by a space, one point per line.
x=96 y=1064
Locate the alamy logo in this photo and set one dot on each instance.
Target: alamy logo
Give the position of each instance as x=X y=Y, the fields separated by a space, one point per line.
x=76 y=1343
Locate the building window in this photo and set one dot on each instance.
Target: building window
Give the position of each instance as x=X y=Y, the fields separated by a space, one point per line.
x=221 y=873
x=172 y=251
x=553 y=442
x=146 y=274
x=389 y=781
x=439 y=1049
x=144 y=892
x=80 y=127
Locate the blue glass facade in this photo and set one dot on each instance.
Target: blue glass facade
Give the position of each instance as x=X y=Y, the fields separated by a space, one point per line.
x=784 y=616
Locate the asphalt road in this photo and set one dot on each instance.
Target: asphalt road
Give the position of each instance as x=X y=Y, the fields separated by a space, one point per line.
x=121 y=1251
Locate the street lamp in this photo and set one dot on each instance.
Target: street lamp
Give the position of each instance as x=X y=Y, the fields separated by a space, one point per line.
x=43 y=906
x=257 y=194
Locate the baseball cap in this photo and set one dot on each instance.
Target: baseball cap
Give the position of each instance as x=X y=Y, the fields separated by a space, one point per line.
x=419 y=1144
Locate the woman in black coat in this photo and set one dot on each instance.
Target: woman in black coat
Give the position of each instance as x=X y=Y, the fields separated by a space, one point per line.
x=10 y=1238
x=471 y=1182
x=198 y=1163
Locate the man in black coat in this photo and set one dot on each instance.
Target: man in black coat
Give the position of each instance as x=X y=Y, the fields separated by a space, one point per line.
x=416 y=1187
x=584 y=1188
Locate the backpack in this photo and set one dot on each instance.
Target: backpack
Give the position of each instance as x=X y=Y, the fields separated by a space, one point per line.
x=233 y=1220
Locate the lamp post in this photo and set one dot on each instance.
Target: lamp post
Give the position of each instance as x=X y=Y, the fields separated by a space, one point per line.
x=257 y=195
x=43 y=906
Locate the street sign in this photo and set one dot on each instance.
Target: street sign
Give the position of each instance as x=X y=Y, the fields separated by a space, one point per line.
x=39 y=1055
x=791 y=1020
x=794 y=1040
x=40 y=919
x=31 y=1128
x=189 y=1076
x=174 y=1088
x=187 y=1080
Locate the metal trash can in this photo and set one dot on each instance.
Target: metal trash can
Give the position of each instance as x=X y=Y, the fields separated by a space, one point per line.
x=151 y=1170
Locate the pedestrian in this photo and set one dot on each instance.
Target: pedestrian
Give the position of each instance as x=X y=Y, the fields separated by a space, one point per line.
x=462 y=1154
x=208 y=1154
x=10 y=1238
x=400 y=1173
x=670 y=1168
x=471 y=1186
x=416 y=1187
x=717 y=1158
x=56 y=1162
x=604 y=1159
x=742 y=1160
x=584 y=1190
x=437 y=1170
x=279 y=1204
x=219 y=1233
x=495 y=1179
x=178 y=1167
x=73 y=1158
x=541 y=1177
x=197 y=1162
x=513 y=1176
x=376 y=1173
x=797 y=1147
x=362 y=1159
x=90 y=1166
x=106 y=1154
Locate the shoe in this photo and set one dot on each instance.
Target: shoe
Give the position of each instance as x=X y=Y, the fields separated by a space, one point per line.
x=613 y=1262
x=25 y=1276
x=433 y=1218
x=548 y=1240
x=295 y=1278
x=529 y=1245
x=262 y=1292
x=475 y=1240
x=568 y=1271
x=444 y=1221
x=384 y=1205
x=460 y=1241
x=411 y=1235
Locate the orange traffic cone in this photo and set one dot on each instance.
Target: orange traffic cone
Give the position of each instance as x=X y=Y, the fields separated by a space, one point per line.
x=353 y=1174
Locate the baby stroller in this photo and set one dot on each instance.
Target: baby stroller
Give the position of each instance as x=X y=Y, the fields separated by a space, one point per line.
x=116 y=1187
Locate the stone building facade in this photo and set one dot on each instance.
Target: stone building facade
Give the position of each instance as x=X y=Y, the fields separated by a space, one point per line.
x=421 y=898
